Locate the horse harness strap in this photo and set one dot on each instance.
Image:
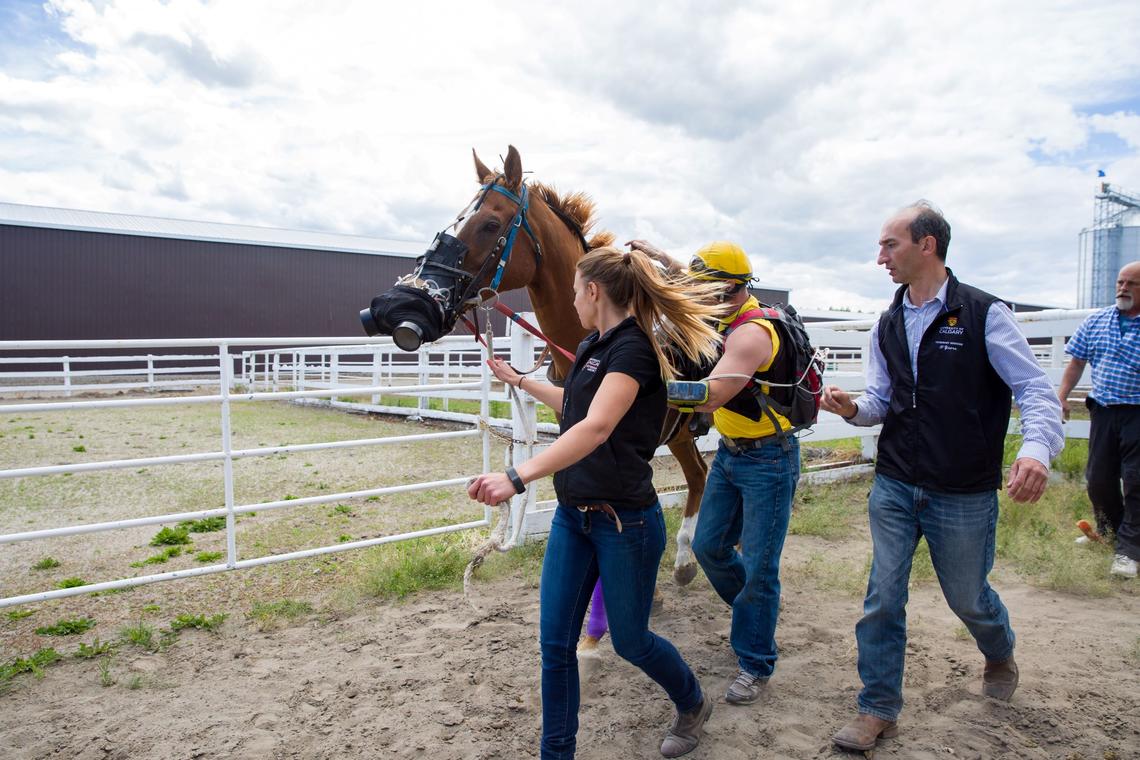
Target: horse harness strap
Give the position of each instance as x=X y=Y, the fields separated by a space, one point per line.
x=586 y=509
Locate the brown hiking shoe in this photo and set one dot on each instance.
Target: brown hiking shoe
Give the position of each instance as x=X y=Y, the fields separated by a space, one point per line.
x=685 y=733
x=999 y=680
x=862 y=733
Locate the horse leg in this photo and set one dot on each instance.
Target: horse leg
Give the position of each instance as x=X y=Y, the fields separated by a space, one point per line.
x=596 y=626
x=684 y=449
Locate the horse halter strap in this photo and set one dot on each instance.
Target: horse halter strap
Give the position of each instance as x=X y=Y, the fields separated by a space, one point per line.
x=506 y=243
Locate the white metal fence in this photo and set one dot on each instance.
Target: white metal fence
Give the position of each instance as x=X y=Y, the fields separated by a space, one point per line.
x=228 y=394
x=447 y=380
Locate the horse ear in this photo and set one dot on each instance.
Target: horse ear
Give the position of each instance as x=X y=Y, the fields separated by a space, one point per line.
x=512 y=168
x=481 y=171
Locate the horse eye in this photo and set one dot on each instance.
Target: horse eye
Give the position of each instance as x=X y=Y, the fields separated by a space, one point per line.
x=491 y=226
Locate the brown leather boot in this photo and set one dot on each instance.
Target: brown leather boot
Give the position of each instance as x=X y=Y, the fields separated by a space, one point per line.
x=862 y=733
x=999 y=680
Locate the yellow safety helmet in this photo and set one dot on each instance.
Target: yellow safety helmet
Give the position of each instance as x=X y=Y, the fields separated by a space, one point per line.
x=721 y=260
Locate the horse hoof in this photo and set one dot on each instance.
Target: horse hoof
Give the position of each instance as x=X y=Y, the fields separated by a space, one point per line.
x=684 y=574
x=589 y=662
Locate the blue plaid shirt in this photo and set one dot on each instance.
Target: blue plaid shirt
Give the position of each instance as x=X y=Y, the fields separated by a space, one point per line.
x=1112 y=346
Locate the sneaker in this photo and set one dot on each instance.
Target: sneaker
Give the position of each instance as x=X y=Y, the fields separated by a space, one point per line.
x=1124 y=566
x=746 y=689
x=685 y=733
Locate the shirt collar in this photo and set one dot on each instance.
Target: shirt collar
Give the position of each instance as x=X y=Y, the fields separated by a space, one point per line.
x=940 y=296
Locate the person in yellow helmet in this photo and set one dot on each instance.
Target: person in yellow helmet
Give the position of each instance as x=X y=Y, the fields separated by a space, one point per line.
x=753 y=478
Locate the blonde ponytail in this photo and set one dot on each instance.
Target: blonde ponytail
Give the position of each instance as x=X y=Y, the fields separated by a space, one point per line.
x=682 y=312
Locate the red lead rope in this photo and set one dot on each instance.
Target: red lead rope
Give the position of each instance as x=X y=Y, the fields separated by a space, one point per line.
x=515 y=317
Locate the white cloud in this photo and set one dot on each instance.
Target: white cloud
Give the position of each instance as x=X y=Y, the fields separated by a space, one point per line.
x=793 y=128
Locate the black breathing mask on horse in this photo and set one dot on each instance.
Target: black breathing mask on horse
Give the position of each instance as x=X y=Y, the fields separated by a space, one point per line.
x=422 y=307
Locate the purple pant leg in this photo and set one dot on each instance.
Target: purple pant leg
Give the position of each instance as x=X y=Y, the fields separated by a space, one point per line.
x=597 y=625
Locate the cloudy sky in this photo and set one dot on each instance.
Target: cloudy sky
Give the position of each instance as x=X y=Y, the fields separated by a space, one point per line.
x=793 y=128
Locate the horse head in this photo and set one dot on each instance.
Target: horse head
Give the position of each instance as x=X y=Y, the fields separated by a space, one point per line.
x=490 y=247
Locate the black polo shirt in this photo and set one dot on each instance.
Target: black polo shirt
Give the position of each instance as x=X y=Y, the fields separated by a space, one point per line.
x=617 y=472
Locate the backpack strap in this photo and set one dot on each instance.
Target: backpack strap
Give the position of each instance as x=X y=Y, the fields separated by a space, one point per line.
x=754 y=385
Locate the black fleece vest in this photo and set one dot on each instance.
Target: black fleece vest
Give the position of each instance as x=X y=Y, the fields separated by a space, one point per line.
x=948 y=433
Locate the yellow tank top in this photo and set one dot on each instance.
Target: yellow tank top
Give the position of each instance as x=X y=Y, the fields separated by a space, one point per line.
x=736 y=425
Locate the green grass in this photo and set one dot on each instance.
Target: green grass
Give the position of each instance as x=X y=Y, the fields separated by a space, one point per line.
x=105 y=677
x=198 y=622
x=140 y=635
x=47 y=563
x=66 y=627
x=205 y=525
x=828 y=510
x=208 y=556
x=94 y=649
x=1037 y=540
x=34 y=665
x=162 y=557
x=269 y=615
x=71 y=583
x=177 y=536
x=15 y=615
x=828 y=574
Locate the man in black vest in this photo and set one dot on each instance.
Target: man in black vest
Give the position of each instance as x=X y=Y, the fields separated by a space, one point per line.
x=943 y=360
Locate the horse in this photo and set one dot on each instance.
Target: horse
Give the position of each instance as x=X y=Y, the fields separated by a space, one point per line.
x=516 y=234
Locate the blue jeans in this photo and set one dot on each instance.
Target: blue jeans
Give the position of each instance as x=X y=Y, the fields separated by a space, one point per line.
x=583 y=546
x=959 y=530
x=748 y=500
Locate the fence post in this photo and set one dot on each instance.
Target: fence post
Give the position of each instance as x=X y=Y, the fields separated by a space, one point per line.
x=524 y=422
x=150 y=372
x=226 y=368
x=276 y=370
x=334 y=370
x=1058 y=351
x=421 y=379
x=375 y=373
x=67 y=375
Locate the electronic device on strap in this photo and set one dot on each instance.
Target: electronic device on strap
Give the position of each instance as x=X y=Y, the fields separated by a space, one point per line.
x=687 y=394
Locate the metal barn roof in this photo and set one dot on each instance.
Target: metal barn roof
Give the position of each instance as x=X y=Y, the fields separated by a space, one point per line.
x=216 y=232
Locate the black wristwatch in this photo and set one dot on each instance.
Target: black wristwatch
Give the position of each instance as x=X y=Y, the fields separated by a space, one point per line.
x=519 y=485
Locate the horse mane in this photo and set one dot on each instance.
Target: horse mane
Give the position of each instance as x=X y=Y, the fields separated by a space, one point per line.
x=577 y=211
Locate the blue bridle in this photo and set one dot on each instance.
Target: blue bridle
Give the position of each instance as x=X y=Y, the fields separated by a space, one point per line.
x=506 y=243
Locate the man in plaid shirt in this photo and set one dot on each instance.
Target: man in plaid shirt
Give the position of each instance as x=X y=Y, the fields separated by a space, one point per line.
x=1110 y=340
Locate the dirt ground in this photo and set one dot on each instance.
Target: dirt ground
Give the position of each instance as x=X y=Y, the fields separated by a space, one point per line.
x=431 y=677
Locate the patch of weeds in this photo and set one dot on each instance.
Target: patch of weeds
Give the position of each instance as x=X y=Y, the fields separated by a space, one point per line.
x=830 y=575
x=34 y=665
x=1038 y=540
x=47 y=563
x=151 y=608
x=171 y=536
x=430 y=563
x=208 y=556
x=341 y=509
x=269 y=615
x=15 y=615
x=828 y=509
x=162 y=557
x=205 y=525
x=71 y=583
x=344 y=538
x=67 y=627
x=135 y=682
x=198 y=622
x=373 y=498
x=81 y=449
x=140 y=635
x=94 y=649
x=289 y=497
x=962 y=633
x=105 y=677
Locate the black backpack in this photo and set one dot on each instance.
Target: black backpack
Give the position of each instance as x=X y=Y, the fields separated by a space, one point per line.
x=795 y=386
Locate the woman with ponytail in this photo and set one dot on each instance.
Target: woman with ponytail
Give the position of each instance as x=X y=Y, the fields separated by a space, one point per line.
x=608 y=523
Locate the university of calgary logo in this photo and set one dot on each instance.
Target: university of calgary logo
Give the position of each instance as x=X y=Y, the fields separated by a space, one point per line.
x=952 y=321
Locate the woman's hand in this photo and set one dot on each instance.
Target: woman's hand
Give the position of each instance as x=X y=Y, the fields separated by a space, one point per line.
x=504 y=372
x=491 y=488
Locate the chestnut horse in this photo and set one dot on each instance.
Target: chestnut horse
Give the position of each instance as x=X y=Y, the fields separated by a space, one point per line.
x=513 y=235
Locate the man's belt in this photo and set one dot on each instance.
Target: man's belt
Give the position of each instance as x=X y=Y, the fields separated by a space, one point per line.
x=739 y=445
